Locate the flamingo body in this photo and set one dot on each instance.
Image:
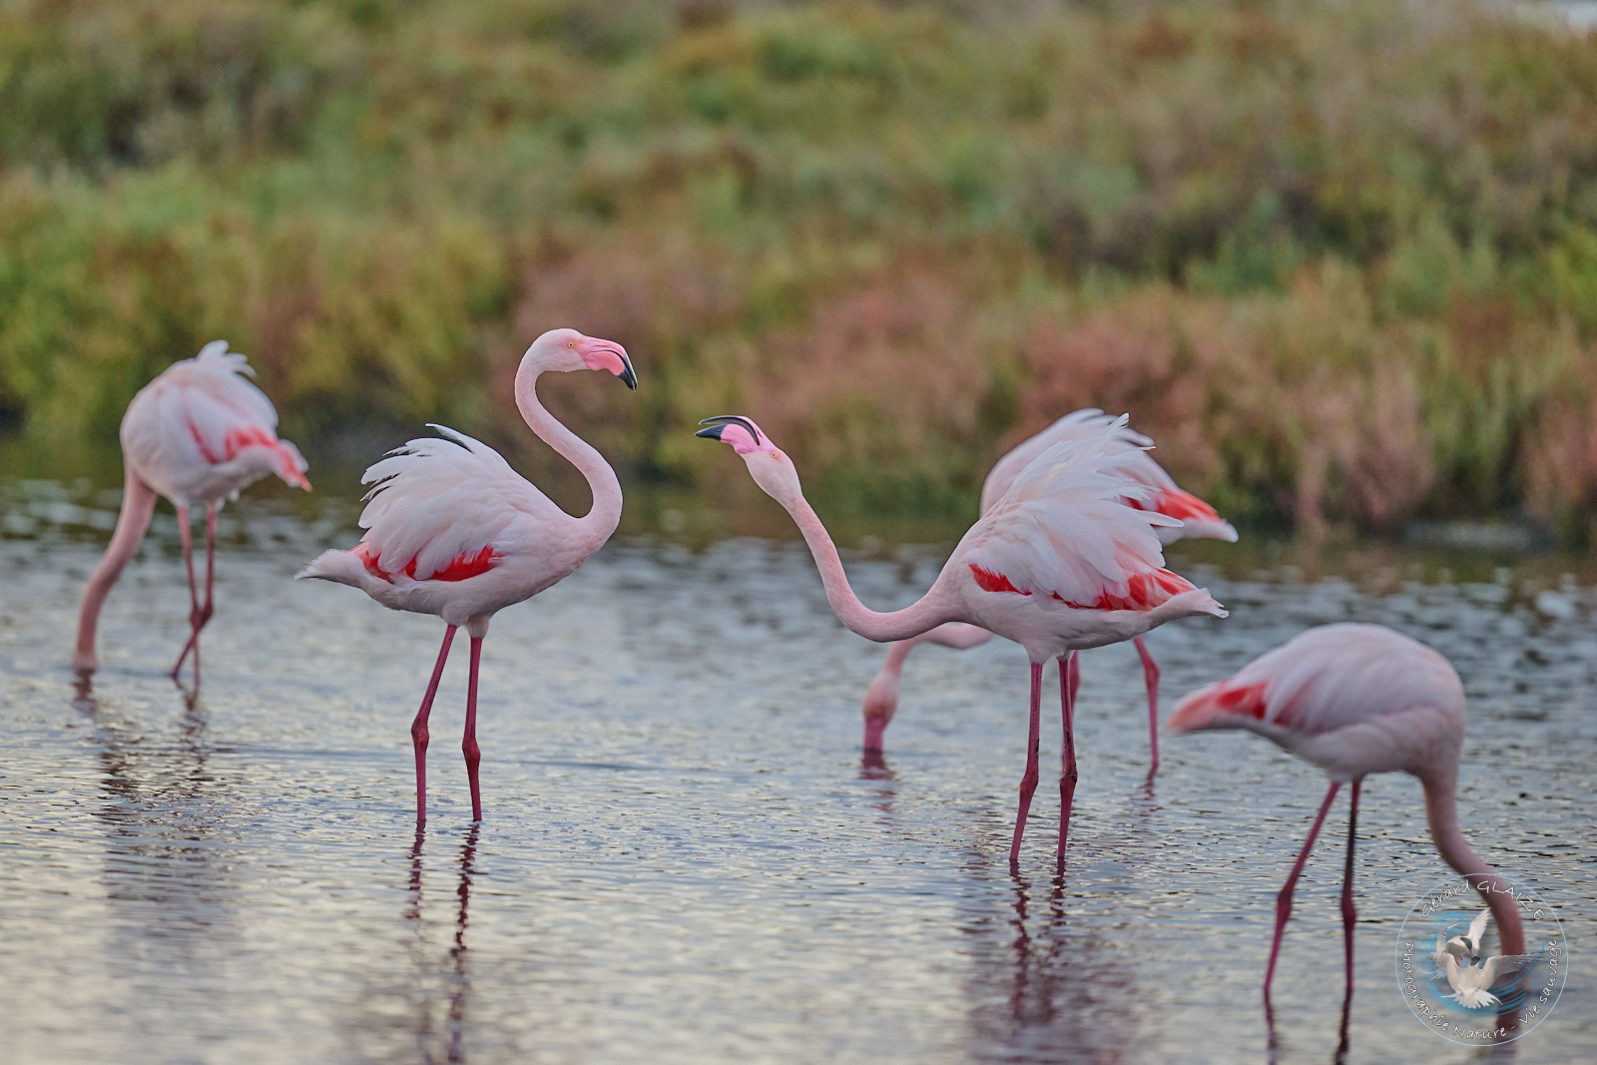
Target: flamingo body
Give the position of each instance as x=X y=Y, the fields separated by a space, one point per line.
x=201 y=432
x=1356 y=699
x=1060 y=562
x=452 y=530
x=1351 y=698
x=1193 y=518
x=197 y=434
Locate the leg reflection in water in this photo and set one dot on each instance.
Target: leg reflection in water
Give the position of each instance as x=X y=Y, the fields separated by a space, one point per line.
x=459 y=975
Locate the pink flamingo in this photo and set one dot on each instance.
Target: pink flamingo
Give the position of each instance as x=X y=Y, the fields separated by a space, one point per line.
x=1195 y=518
x=1358 y=699
x=198 y=433
x=452 y=530
x=1058 y=565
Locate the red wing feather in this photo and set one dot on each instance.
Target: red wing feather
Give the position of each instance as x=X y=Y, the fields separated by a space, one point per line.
x=458 y=569
x=1174 y=503
x=1144 y=591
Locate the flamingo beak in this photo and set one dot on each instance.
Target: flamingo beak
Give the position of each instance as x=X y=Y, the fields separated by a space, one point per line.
x=715 y=425
x=628 y=375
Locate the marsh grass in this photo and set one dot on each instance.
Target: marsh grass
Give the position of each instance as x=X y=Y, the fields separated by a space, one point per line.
x=1340 y=259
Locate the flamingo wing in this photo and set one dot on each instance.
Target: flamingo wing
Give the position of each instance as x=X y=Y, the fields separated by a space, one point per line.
x=1077 y=425
x=1064 y=530
x=1326 y=679
x=445 y=508
x=1196 y=518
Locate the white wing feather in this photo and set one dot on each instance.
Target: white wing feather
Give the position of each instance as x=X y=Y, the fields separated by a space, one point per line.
x=1063 y=527
x=1083 y=424
x=1477 y=929
x=438 y=498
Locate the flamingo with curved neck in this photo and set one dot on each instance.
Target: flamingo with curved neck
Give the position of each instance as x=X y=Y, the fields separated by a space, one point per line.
x=452 y=530
x=1356 y=699
x=1062 y=562
x=1194 y=519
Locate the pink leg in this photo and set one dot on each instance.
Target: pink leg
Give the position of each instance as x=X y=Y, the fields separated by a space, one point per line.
x=1028 y=783
x=1350 y=915
x=1068 y=672
x=468 y=743
x=210 y=562
x=199 y=613
x=1075 y=678
x=194 y=597
x=1283 y=901
x=418 y=727
x=1150 y=676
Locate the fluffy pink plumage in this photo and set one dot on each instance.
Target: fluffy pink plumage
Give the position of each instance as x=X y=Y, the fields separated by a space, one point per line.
x=197 y=434
x=1197 y=519
x=1059 y=563
x=1194 y=518
x=1357 y=699
x=1351 y=698
x=452 y=530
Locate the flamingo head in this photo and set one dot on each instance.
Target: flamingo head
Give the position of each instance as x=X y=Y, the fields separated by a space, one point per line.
x=878 y=706
x=567 y=349
x=771 y=469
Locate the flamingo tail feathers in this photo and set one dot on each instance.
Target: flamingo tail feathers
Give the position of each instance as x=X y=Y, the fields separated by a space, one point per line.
x=1224 y=704
x=342 y=567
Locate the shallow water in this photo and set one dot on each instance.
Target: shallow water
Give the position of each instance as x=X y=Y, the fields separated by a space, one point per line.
x=684 y=858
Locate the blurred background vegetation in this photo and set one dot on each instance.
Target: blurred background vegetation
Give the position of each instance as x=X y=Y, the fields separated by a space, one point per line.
x=1339 y=259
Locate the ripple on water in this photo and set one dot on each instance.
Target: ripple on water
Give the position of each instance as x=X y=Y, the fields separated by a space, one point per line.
x=685 y=858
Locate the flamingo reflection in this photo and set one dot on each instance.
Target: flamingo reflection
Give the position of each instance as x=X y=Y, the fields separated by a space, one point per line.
x=459 y=974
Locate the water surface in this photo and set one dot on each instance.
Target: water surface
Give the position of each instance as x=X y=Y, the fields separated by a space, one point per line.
x=684 y=857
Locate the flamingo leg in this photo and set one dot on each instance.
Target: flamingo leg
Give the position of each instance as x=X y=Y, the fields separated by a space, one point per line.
x=193 y=643
x=1069 y=679
x=210 y=562
x=468 y=743
x=418 y=727
x=199 y=613
x=1283 y=901
x=1350 y=915
x=1028 y=783
x=1150 y=676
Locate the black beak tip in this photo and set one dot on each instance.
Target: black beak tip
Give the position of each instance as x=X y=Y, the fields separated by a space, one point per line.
x=712 y=432
x=720 y=421
x=628 y=375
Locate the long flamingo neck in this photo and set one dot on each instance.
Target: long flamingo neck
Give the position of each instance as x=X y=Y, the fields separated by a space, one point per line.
x=605 y=514
x=930 y=610
x=138 y=506
x=1441 y=810
x=897 y=652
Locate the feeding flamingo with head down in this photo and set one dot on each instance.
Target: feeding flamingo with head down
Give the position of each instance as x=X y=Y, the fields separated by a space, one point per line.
x=1059 y=564
x=1194 y=519
x=1357 y=699
x=197 y=434
x=452 y=530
